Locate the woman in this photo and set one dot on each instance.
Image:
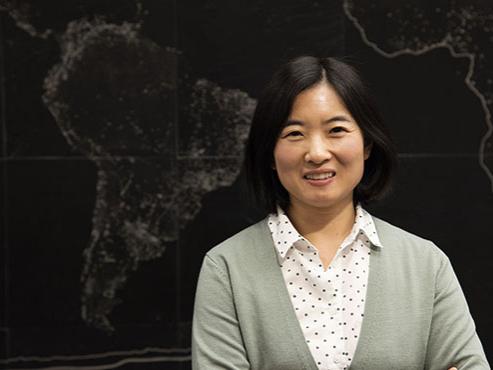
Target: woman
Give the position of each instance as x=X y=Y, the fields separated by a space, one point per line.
x=320 y=283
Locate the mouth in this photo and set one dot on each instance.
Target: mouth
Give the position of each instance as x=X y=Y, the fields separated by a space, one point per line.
x=319 y=176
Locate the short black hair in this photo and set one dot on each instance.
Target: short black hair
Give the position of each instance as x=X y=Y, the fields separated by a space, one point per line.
x=273 y=108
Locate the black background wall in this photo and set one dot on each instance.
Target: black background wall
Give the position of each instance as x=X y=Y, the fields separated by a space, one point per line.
x=123 y=124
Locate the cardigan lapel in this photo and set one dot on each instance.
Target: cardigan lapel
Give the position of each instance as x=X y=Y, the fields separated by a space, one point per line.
x=274 y=283
x=374 y=294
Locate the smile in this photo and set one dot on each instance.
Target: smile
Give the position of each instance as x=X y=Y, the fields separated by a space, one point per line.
x=320 y=176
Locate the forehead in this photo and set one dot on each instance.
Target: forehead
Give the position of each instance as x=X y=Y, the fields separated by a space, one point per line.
x=320 y=101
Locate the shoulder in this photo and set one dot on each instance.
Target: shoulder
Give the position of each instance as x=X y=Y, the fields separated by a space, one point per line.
x=402 y=242
x=391 y=234
x=253 y=241
x=411 y=260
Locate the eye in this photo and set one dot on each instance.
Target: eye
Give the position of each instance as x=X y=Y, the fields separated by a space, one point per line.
x=337 y=130
x=292 y=134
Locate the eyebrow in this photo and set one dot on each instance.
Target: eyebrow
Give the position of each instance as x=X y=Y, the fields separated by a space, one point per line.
x=291 y=122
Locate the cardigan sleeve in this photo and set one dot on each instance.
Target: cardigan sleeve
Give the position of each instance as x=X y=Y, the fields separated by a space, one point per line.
x=216 y=337
x=452 y=340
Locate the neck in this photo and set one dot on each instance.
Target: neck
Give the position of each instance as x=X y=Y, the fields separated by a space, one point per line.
x=333 y=223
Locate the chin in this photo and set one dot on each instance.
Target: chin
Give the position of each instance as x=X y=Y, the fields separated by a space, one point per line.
x=321 y=203
x=328 y=202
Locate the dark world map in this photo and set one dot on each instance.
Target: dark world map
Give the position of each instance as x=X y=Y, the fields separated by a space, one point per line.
x=123 y=127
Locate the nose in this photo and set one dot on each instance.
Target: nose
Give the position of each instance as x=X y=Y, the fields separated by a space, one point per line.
x=318 y=151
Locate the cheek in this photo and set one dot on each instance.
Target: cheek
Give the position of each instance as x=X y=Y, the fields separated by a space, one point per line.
x=285 y=161
x=353 y=153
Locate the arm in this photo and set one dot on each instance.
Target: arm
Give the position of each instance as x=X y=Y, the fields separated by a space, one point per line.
x=452 y=340
x=216 y=336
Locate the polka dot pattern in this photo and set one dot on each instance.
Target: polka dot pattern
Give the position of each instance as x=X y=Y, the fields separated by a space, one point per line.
x=329 y=304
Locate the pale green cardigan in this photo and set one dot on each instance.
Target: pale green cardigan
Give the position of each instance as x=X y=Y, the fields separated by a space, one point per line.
x=416 y=316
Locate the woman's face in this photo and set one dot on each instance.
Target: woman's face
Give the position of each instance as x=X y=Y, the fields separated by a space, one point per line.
x=319 y=155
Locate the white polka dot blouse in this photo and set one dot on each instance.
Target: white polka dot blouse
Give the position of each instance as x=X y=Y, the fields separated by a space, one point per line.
x=329 y=304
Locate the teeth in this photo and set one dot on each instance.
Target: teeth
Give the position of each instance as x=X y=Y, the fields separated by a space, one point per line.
x=320 y=176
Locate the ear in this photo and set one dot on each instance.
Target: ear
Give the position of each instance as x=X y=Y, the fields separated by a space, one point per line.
x=368 y=151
